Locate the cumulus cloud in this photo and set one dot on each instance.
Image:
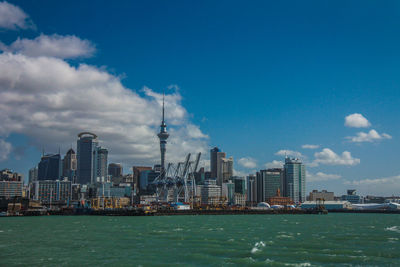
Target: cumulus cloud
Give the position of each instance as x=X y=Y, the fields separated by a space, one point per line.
x=285 y=152
x=310 y=146
x=328 y=157
x=55 y=45
x=320 y=176
x=50 y=101
x=371 y=136
x=5 y=149
x=248 y=163
x=13 y=17
x=385 y=186
x=274 y=164
x=356 y=120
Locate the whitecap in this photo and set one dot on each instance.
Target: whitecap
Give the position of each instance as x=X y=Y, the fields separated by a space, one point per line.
x=257 y=247
x=393 y=229
x=177 y=229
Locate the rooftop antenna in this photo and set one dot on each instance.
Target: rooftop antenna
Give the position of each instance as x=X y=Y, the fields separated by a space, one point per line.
x=42 y=151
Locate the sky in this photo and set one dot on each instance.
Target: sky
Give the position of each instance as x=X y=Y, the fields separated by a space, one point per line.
x=318 y=80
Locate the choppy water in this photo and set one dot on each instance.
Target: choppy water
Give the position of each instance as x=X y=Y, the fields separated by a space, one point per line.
x=237 y=240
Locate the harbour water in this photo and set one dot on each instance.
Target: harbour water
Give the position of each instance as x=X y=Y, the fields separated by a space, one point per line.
x=234 y=240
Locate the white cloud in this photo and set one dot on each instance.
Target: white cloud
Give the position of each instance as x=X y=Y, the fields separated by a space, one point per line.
x=371 y=136
x=328 y=157
x=386 y=186
x=13 y=17
x=52 y=46
x=310 y=146
x=274 y=164
x=239 y=173
x=50 y=101
x=248 y=163
x=5 y=149
x=356 y=120
x=285 y=152
x=320 y=176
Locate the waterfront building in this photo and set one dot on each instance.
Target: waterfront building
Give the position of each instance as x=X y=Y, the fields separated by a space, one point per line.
x=240 y=199
x=295 y=180
x=352 y=197
x=251 y=190
x=221 y=166
x=100 y=156
x=107 y=189
x=325 y=195
x=259 y=183
x=163 y=136
x=210 y=192
x=279 y=200
x=115 y=170
x=50 y=167
x=329 y=205
x=33 y=175
x=69 y=165
x=53 y=191
x=86 y=145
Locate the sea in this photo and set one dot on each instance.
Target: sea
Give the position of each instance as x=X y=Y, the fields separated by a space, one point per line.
x=335 y=239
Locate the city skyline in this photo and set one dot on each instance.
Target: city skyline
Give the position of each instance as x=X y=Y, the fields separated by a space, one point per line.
x=334 y=112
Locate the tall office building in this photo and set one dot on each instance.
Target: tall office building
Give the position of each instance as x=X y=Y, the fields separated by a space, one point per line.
x=50 y=167
x=137 y=170
x=163 y=136
x=272 y=181
x=69 y=165
x=115 y=170
x=86 y=145
x=100 y=159
x=213 y=161
x=295 y=180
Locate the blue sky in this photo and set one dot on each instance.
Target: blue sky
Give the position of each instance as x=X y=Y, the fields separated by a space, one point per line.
x=251 y=78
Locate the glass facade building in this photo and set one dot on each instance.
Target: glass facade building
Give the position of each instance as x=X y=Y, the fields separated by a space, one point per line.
x=86 y=145
x=50 y=167
x=295 y=180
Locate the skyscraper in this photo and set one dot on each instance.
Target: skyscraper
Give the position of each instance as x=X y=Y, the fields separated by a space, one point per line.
x=100 y=158
x=213 y=161
x=273 y=180
x=86 y=145
x=295 y=180
x=33 y=174
x=50 y=167
x=69 y=165
x=163 y=136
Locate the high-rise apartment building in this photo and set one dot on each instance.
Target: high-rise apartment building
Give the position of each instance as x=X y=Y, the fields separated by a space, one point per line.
x=50 y=167
x=295 y=180
x=86 y=146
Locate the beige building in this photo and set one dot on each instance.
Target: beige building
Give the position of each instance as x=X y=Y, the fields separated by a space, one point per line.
x=325 y=195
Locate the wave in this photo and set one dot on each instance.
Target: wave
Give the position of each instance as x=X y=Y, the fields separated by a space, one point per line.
x=257 y=247
x=393 y=229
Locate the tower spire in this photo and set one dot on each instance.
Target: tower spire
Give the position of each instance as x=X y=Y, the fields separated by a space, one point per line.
x=163 y=136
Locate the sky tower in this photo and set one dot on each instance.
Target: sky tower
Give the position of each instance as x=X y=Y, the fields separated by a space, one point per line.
x=163 y=136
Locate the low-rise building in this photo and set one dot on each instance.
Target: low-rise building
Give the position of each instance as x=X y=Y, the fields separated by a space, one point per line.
x=327 y=196
x=329 y=205
x=10 y=189
x=53 y=191
x=210 y=192
x=352 y=197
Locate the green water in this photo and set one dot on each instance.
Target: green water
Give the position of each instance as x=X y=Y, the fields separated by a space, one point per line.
x=234 y=240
